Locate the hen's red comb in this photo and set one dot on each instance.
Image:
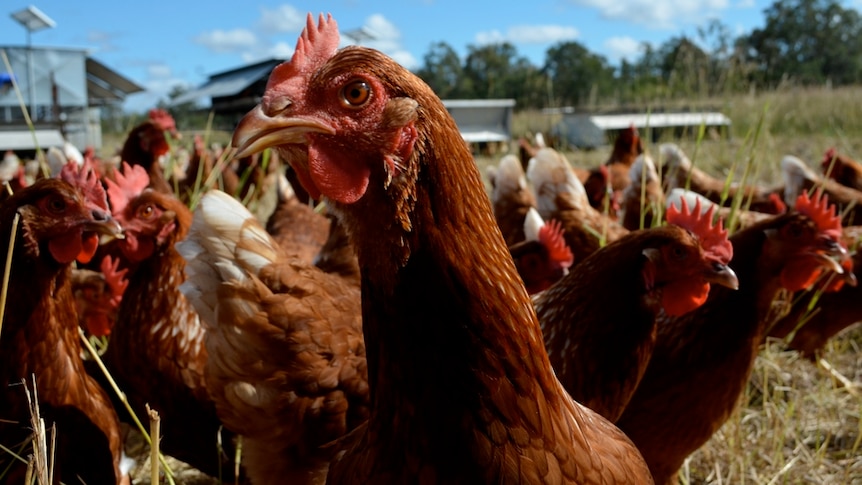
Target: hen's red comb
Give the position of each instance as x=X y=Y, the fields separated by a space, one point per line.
x=316 y=44
x=551 y=236
x=828 y=156
x=713 y=237
x=821 y=212
x=86 y=180
x=780 y=206
x=129 y=184
x=163 y=119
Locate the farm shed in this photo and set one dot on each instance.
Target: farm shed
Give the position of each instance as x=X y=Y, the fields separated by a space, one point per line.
x=482 y=120
x=593 y=130
x=231 y=93
x=70 y=90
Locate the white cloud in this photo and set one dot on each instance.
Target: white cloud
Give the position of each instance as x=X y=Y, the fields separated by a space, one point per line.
x=385 y=37
x=663 y=14
x=281 y=50
x=619 y=48
x=104 y=41
x=529 y=34
x=490 y=37
x=158 y=71
x=159 y=83
x=541 y=34
x=284 y=18
x=745 y=4
x=227 y=41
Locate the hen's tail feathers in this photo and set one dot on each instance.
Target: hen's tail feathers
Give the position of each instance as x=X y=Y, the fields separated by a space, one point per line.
x=674 y=157
x=796 y=174
x=533 y=223
x=508 y=177
x=225 y=243
x=641 y=163
x=551 y=175
x=676 y=165
x=676 y=196
x=283 y=189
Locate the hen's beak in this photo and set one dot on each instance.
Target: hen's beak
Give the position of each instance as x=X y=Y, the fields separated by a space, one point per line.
x=721 y=274
x=258 y=130
x=108 y=228
x=830 y=254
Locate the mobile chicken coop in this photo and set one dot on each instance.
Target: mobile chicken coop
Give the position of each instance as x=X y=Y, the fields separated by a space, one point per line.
x=65 y=92
x=485 y=124
x=588 y=131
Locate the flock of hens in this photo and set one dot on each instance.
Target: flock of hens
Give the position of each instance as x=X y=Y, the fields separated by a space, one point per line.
x=416 y=330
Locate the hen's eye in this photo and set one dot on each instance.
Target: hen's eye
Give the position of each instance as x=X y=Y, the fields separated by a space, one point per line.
x=145 y=212
x=794 y=231
x=679 y=253
x=355 y=94
x=56 y=204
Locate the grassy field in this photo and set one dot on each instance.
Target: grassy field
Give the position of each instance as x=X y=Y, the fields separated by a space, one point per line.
x=797 y=423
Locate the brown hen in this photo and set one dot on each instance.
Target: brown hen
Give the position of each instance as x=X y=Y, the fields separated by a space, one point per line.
x=678 y=171
x=156 y=351
x=830 y=306
x=600 y=349
x=146 y=144
x=461 y=387
x=286 y=366
x=59 y=223
x=511 y=198
x=561 y=196
x=798 y=178
x=842 y=169
x=702 y=360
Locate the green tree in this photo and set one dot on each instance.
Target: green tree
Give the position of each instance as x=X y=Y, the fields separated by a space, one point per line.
x=578 y=76
x=807 y=41
x=684 y=67
x=488 y=68
x=442 y=71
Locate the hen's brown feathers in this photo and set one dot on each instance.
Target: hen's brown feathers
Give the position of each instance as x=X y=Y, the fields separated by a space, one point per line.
x=702 y=360
x=40 y=336
x=286 y=362
x=156 y=352
x=461 y=387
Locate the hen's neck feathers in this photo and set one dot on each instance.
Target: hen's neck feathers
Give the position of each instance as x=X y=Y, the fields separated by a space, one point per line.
x=601 y=361
x=155 y=316
x=443 y=306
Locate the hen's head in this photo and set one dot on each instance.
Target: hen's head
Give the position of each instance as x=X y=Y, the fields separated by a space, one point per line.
x=163 y=120
x=150 y=219
x=60 y=221
x=806 y=242
x=691 y=253
x=627 y=142
x=341 y=118
x=543 y=258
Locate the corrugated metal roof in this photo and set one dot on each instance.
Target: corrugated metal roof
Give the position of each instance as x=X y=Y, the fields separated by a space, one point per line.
x=658 y=120
x=97 y=92
x=478 y=103
x=23 y=140
x=111 y=77
x=484 y=136
x=228 y=84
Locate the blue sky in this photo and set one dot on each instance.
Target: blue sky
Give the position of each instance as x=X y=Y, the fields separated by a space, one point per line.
x=160 y=44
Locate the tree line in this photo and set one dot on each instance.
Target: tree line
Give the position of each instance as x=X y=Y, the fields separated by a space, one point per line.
x=803 y=42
